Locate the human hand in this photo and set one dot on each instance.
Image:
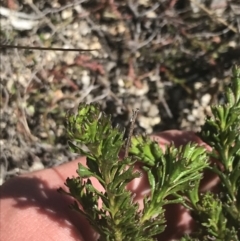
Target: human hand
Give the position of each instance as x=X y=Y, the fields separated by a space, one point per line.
x=32 y=209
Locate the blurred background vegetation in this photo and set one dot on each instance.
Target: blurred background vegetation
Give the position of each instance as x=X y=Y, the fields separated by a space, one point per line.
x=168 y=58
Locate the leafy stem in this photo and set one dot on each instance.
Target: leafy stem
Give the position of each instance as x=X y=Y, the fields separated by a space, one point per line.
x=174 y=175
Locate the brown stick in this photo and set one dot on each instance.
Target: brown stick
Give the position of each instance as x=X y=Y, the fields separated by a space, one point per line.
x=133 y=119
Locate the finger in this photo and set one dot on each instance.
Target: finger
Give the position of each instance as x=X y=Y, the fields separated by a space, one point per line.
x=36 y=211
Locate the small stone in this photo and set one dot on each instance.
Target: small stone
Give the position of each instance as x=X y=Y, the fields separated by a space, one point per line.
x=151 y=15
x=195 y=112
x=78 y=9
x=30 y=110
x=46 y=36
x=145 y=105
x=139 y=91
x=121 y=82
x=84 y=28
x=86 y=79
x=191 y=118
x=95 y=44
x=198 y=85
x=155 y=120
x=121 y=28
x=205 y=99
x=214 y=81
x=232 y=44
x=110 y=65
x=2 y=126
x=145 y=3
x=121 y=90
x=144 y=122
x=66 y=14
x=43 y=135
x=153 y=111
x=36 y=166
x=147 y=123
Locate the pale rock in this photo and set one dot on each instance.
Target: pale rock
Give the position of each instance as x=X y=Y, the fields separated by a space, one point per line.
x=36 y=166
x=95 y=44
x=153 y=111
x=194 y=6
x=191 y=118
x=214 y=81
x=22 y=80
x=198 y=85
x=121 y=82
x=110 y=65
x=121 y=90
x=66 y=14
x=144 y=122
x=46 y=36
x=232 y=44
x=75 y=26
x=145 y=105
x=139 y=92
x=205 y=99
x=79 y=8
x=144 y=3
x=51 y=55
x=86 y=79
x=155 y=120
x=121 y=28
x=151 y=15
x=82 y=45
x=195 y=112
x=84 y=28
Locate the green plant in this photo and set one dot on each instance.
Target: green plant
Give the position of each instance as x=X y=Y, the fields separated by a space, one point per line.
x=175 y=173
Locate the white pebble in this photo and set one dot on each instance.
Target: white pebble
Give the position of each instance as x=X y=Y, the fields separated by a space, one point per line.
x=86 y=79
x=66 y=14
x=191 y=118
x=153 y=111
x=198 y=85
x=36 y=166
x=205 y=99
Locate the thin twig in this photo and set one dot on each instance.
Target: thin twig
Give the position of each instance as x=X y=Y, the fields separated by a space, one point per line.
x=133 y=120
x=152 y=9
x=6 y=97
x=213 y=16
x=9 y=12
x=48 y=21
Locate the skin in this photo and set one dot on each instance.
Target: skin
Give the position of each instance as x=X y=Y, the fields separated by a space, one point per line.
x=32 y=209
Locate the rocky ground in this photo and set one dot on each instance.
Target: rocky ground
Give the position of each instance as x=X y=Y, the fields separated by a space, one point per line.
x=170 y=59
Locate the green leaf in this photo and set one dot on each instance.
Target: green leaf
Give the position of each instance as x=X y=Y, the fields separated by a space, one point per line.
x=145 y=150
x=174 y=175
